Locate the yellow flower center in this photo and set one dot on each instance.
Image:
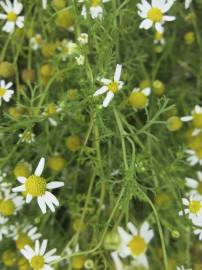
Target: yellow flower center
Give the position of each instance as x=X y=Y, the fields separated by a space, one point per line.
x=23 y=240
x=9 y=258
x=197 y=120
x=22 y=169
x=155 y=14
x=158 y=36
x=113 y=87
x=174 y=123
x=137 y=245
x=56 y=163
x=7 y=207
x=199 y=153
x=37 y=262
x=51 y=109
x=138 y=100
x=2 y=92
x=35 y=185
x=95 y=3
x=195 y=207
x=11 y=16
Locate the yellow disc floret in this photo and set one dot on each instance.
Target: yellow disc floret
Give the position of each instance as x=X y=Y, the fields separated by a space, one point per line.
x=137 y=245
x=195 y=207
x=73 y=143
x=197 y=120
x=189 y=38
x=7 y=207
x=23 y=264
x=11 y=16
x=2 y=91
x=23 y=240
x=56 y=163
x=78 y=262
x=35 y=185
x=37 y=262
x=113 y=87
x=22 y=169
x=9 y=258
x=158 y=88
x=174 y=123
x=155 y=14
x=138 y=100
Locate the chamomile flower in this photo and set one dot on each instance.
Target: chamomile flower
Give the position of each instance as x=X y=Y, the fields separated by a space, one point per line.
x=38 y=258
x=153 y=14
x=83 y=39
x=193 y=207
x=187 y=3
x=196 y=118
x=67 y=48
x=195 y=156
x=136 y=243
x=27 y=137
x=138 y=99
x=110 y=86
x=36 y=42
x=195 y=185
x=5 y=91
x=50 y=111
x=11 y=16
x=96 y=9
x=35 y=186
x=25 y=236
x=10 y=204
x=80 y=59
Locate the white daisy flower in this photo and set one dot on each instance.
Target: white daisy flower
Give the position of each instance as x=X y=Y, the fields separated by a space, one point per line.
x=195 y=185
x=138 y=99
x=10 y=204
x=80 y=59
x=153 y=14
x=50 y=111
x=136 y=243
x=25 y=235
x=5 y=91
x=196 y=118
x=195 y=156
x=35 y=186
x=96 y=9
x=27 y=137
x=44 y=4
x=187 y=3
x=110 y=86
x=83 y=39
x=193 y=207
x=36 y=41
x=38 y=258
x=67 y=49
x=12 y=11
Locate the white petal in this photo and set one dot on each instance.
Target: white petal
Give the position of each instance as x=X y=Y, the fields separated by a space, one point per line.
x=43 y=247
x=19 y=189
x=108 y=99
x=126 y=237
x=40 y=167
x=100 y=91
x=117 y=74
x=186 y=118
x=50 y=253
x=21 y=179
x=132 y=228
x=169 y=18
x=146 y=24
x=55 y=184
x=37 y=247
x=190 y=182
x=49 y=196
x=199 y=175
x=28 y=198
x=146 y=91
x=41 y=204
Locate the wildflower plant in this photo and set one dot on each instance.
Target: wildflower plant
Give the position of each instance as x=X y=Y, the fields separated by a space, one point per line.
x=100 y=134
